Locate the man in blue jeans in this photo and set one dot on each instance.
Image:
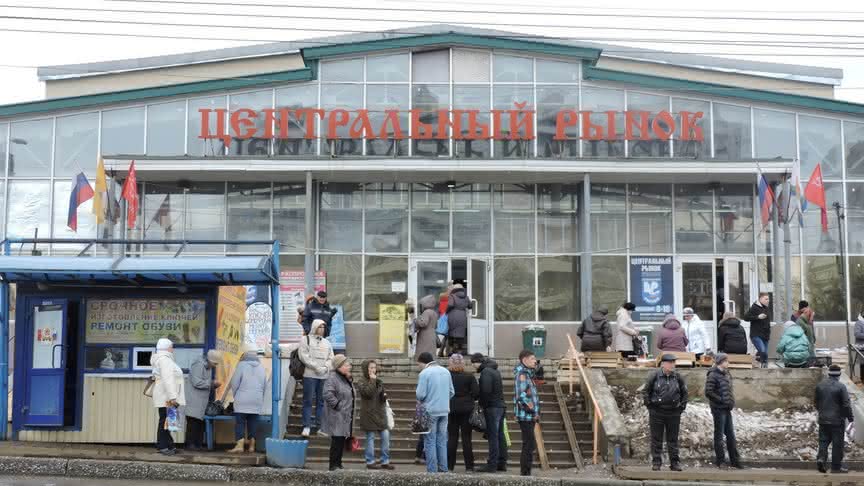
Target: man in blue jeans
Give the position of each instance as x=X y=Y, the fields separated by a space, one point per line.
x=492 y=402
x=759 y=317
x=434 y=391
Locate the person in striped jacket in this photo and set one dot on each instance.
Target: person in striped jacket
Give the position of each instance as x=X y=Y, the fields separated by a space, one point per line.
x=527 y=405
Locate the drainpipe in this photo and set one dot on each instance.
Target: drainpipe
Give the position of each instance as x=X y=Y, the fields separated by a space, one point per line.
x=4 y=352
x=585 y=245
x=309 y=262
x=276 y=365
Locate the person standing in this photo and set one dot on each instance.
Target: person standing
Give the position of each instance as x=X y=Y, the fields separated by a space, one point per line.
x=458 y=304
x=731 y=336
x=316 y=353
x=595 y=333
x=665 y=396
x=462 y=405
x=672 y=337
x=492 y=402
x=248 y=386
x=426 y=322
x=626 y=331
x=338 y=420
x=201 y=384
x=834 y=408
x=720 y=394
x=434 y=391
x=805 y=320
x=527 y=407
x=698 y=341
x=373 y=415
x=168 y=392
x=794 y=347
x=759 y=318
x=318 y=308
x=859 y=341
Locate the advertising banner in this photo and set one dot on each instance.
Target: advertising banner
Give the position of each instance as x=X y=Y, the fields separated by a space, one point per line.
x=651 y=287
x=292 y=293
x=230 y=324
x=144 y=321
x=391 y=329
x=337 y=330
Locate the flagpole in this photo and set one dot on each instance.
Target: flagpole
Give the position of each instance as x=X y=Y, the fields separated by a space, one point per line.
x=787 y=260
x=840 y=217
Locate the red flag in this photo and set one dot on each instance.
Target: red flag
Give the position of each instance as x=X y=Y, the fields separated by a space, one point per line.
x=130 y=194
x=815 y=193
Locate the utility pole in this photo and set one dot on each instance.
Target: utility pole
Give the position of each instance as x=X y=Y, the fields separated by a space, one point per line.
x=838 y=210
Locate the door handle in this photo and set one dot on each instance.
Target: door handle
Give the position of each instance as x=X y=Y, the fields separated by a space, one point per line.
x=474 y=311
x=53 y=353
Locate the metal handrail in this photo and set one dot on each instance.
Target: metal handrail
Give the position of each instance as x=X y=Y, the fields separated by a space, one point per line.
x=598 y=415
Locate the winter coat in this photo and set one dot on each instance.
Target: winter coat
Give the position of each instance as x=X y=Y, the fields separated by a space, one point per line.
x=338 y=406
x=626 y=331
x=859 y=331
x=794 y=346
x=249 y=384
x=760 y=328
x=731 y=337
x=832 y=402
x=718 y=389
x=198 y=389
x=457 y=313
x=373 y=412
x=316 y=353
x=804 y=323
x=526 y=400
x=435 y=389
x=666 y=393
x=316 y=310
x=672 y=337
x=697 y=335
x=427 y=321
x=169 y=380
x=595 y=333
x=491 y=385
x=466 y=392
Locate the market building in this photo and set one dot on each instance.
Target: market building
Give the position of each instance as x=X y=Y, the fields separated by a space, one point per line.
x=551 y=177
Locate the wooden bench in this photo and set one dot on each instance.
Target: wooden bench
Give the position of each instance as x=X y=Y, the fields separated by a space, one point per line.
x=741 y=361
x=208 y=428
x=598 y=359
x=683 y=360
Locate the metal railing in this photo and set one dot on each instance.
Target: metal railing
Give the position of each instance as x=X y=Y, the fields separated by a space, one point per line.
x=598 y=415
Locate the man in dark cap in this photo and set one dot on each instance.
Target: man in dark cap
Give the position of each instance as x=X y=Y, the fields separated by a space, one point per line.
x=318 y=308
x=595 y=333
x=832 y=403
x=665 y=395
x=721 y=398
x=491 y=399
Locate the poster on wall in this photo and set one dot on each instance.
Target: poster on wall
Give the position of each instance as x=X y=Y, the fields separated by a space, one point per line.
x=391 y=328
x=292 y=290
x=651 y=287
x=47 y=335
x=230 y=324
x=337 y=331
x=141 y=321
x=259 y=325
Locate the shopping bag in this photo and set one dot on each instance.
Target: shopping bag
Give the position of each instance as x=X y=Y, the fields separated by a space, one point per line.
x=506 y=434
x=391 y=418
x=420 y=424
x=442 y=327
x=172 y=420
x=477 y=420
x=352 y=444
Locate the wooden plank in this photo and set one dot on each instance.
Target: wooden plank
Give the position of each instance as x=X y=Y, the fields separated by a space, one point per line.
x=541 y=446
x=568 y=427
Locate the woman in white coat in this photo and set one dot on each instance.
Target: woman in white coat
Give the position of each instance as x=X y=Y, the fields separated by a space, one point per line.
x=168 y=391
x=698 y=341
x=626 y=332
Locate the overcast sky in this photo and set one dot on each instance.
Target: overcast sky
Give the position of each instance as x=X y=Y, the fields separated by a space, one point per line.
x=831 y=37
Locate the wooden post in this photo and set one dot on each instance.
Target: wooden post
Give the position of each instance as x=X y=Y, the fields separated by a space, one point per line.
x=541 y=446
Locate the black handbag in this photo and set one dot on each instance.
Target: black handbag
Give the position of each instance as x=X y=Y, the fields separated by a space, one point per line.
x=477 y=420
x=214 y=408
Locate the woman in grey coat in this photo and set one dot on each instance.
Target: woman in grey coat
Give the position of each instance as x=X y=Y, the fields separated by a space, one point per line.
x=198 y=390
x=338 y=420
x=427 y=321
x=248 y=386
x=458 y=304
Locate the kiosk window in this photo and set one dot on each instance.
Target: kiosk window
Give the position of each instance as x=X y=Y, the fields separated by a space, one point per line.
x=106 y=359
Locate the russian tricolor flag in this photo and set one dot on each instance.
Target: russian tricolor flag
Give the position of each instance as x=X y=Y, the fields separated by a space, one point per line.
x=81 y=192
x=766 y=199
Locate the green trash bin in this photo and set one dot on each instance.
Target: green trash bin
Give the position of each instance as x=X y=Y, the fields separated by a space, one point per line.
x=534 y=338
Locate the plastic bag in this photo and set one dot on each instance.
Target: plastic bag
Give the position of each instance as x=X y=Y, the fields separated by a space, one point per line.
x=420 y=424
x=172 y=420
x=477 y=420
x=507 y=435
x=391 y=418
x=442 y=326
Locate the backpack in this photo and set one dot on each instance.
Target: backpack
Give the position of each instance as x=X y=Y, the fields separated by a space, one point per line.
x=296 y=367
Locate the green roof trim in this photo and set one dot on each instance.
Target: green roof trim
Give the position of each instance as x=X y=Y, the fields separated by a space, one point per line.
x=591 y=73
x=76 y=102
x=429 y=40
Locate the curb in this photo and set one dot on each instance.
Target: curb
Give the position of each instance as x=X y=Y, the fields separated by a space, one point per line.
x=154 y=471
x=32 y=466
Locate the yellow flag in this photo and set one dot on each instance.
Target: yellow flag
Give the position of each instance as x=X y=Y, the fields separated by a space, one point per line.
x=101 y=189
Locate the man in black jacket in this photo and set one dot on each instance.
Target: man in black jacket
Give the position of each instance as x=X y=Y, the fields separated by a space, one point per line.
x=832 y=403
x=492 y=402
x=665 y=395
x=719 y=392
x=759 y=317
x=318 y=308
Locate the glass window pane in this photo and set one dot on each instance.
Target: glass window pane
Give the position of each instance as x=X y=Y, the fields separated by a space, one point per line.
x=210 y=147
x=472 y=98
x=854 y=136
x=558 y=291
x=819 y=140
x=429 y=99
x=431 y=67
x=123 y=131
x=653 y=104
x=650 y=218
x=294 y=98
x=732 y=132
x=28 y=209
x=165 y=128
x=514 y=218
x=692 y=148
x=512 y=69
x=599 y=101
x=854 y=216
x=558 y=218
x=341 y=217
x=379 y=99
x=514 y=289
x=342 y=97
x=289 y=214
x=163 y=213
x=100 y=359
x=504 y=98
x=344 y=281
x=86 y=218
x=770 y=273
x=248 y=213
x=775 y=134
x=557 y=71
x=386 y=219
x=77 y=144
x=550 y=101
x=4 y=145
x=856 y=286
x=30 y=148
x=430 y=217
x=609 y=276
x=393 y=68
x=825 y=288
x=470 y=66
x=205 y=215
x=694 y=218
x=2 y=208
x=344 y=70
x=608 y=218
x=257 y=101
x=472 y=221
x=734 y=218
x=382 y=272
x=815 y=240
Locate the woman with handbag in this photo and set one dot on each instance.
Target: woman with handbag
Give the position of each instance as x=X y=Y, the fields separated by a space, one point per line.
x=373 y=415
x=168 y=392
x=626 y=332
x=338 y=420
x=248 y=386
x=201 y=384
x=426 y=323
x=462 y=406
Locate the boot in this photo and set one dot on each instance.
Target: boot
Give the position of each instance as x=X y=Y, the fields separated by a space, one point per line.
x=251 y=445
x=238 y=448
